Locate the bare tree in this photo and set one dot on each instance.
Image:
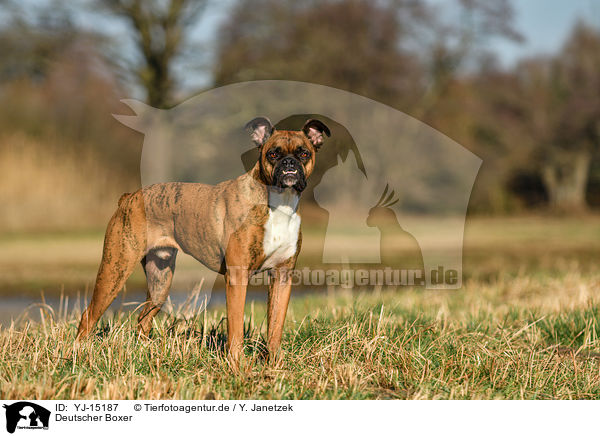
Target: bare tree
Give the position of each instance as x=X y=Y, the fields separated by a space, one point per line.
x=350 y=44
x=452 y=45
x=160 y=31
x=561 y=97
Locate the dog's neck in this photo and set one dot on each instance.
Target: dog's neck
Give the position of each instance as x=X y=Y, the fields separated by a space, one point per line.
x=284 y=200
x=256 y=172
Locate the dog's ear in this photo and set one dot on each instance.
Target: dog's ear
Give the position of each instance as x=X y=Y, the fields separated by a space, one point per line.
x=314 y=130
x=260 y=129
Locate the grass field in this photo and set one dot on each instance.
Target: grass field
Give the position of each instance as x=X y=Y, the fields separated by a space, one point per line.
x=525 y=325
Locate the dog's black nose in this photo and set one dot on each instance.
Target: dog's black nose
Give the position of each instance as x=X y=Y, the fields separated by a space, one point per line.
x=288 y=162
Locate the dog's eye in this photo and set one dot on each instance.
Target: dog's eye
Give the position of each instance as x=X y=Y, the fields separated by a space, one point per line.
x=272 y=154
x=303 y=154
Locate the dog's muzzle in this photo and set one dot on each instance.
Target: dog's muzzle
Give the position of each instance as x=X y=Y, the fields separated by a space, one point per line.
x=289 y=173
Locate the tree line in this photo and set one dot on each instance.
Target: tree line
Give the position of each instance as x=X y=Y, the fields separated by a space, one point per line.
x=536 y=124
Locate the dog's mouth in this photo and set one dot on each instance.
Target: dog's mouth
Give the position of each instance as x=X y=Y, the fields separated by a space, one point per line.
x=290 y=177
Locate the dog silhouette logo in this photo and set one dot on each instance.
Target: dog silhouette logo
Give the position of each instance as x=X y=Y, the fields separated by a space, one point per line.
x=26 y=415
x=202 y=139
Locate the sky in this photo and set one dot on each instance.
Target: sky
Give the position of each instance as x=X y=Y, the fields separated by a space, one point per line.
x=545 y=24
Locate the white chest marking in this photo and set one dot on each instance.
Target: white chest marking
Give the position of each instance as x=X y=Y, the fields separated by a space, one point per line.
x=282 y=228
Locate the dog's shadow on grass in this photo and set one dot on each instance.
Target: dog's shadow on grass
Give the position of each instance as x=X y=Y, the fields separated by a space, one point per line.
x=103 y=330
x=213 y=336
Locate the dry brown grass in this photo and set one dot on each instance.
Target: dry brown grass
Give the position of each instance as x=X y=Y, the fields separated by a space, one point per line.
x=516 y=338
x=48 y=190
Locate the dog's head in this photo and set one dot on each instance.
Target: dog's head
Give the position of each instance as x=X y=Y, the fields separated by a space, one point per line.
x=287 y=157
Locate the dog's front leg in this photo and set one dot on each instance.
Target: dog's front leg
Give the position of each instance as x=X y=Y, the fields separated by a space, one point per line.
x=236 y=279
x=279 y=297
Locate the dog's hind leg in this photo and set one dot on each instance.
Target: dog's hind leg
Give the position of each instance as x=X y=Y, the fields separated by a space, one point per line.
x=159 y=266
x=124 y=246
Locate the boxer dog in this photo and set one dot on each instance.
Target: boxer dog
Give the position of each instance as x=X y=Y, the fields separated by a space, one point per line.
x=237 y=228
